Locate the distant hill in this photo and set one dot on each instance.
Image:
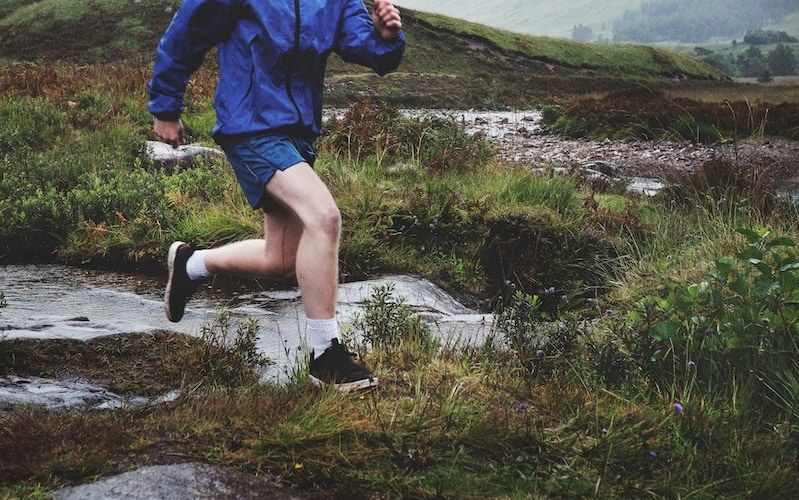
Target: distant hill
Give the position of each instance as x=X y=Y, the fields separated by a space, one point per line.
x=700 y=20
x=637 y=20
x=533 y=17
x=448 y=62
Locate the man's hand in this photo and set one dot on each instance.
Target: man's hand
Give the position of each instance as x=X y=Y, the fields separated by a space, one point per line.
x=386 y=19
x=169 y=132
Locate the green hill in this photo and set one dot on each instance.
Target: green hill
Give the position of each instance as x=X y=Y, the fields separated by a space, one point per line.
x=448 y=62
x=535 y=17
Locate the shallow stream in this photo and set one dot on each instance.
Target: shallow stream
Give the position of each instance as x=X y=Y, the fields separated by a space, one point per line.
x=61 y=302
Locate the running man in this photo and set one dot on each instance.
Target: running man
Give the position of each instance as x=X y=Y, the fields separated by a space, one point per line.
x=272 y=58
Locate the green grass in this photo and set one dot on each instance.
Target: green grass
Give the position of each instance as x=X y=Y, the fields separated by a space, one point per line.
x=633 y=60
x=459 y=422
x=584 y=419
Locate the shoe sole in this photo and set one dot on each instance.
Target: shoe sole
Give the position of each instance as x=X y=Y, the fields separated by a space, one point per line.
x=357 y=385
x=170 y=260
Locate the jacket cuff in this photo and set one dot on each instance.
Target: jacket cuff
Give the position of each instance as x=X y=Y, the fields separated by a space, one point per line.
x=167 y=117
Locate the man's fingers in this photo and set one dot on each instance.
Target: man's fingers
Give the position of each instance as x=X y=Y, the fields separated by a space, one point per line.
x=171 y=132
x=386 y=16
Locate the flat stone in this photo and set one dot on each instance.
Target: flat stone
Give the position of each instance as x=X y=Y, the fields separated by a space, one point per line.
x=55 y=394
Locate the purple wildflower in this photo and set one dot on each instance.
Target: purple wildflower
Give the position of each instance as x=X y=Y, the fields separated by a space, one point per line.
x=539 y=353
x=678 y=408
x=653 y=454
x=522 y=407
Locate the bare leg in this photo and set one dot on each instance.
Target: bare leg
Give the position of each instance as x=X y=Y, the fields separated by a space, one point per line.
x=302 y=238
x=302 y=191
x=274 y=256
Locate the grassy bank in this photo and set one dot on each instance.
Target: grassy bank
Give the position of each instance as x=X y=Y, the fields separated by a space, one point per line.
x=642 y=346
x=571 y=408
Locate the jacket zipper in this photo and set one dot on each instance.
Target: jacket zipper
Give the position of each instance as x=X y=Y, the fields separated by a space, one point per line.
x=290 y=69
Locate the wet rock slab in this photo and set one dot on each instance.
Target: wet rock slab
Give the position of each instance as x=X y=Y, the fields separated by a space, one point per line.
x=186 y=481
x=66 y=394
x=84 y=304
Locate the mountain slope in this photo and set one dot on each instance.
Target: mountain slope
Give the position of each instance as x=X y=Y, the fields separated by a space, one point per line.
x=448 y=63
x=97 y=30
x=536 y=17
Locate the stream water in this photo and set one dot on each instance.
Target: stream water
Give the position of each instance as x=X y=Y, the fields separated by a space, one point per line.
x=61 y=302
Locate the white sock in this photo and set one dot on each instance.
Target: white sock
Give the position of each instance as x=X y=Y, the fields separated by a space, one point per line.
x=195 y=266
x=319 y=334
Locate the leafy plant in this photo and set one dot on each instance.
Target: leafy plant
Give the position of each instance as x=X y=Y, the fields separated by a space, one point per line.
x=530 y=332
x=387 y=321
x=226 y=358
x=736 y=331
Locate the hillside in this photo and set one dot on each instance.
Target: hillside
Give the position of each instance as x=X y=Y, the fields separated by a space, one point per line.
x=535 y=17
x=700 y=20
x=644 y=21
x=448 y=62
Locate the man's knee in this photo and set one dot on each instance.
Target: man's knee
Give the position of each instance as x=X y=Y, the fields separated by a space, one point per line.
x=328 y=222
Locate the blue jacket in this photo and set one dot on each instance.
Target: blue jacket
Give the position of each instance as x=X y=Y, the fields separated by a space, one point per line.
x=272 y=59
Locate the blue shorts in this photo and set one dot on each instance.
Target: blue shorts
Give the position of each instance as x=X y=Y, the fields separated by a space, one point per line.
x=256 y=157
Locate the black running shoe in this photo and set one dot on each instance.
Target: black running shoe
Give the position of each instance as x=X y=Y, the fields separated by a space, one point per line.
x=335 y=366
x=178 y=287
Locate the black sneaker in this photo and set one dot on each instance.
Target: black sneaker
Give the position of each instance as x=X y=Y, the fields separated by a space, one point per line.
x=335 y=366
x=178 y=287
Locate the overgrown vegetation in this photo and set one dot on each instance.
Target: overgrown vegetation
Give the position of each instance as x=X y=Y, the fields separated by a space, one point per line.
x=651 y=114
x=640 y=346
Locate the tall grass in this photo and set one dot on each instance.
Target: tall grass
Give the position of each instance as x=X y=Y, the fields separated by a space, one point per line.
x=588 y=416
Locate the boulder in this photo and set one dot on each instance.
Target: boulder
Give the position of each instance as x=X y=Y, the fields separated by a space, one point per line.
x=165 y=157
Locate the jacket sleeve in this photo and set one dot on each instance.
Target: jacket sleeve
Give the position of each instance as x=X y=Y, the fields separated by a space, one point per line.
x=359 y=42
x=197 y=26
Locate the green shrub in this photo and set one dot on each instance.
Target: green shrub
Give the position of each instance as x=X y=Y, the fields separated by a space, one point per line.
x=549 y=114
x=691 y=129
x=90 y=109
x=445 y=147
x=737 y=332
x=226 y=358
x=27 y=125
x=388 y=322
x=532 y=334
